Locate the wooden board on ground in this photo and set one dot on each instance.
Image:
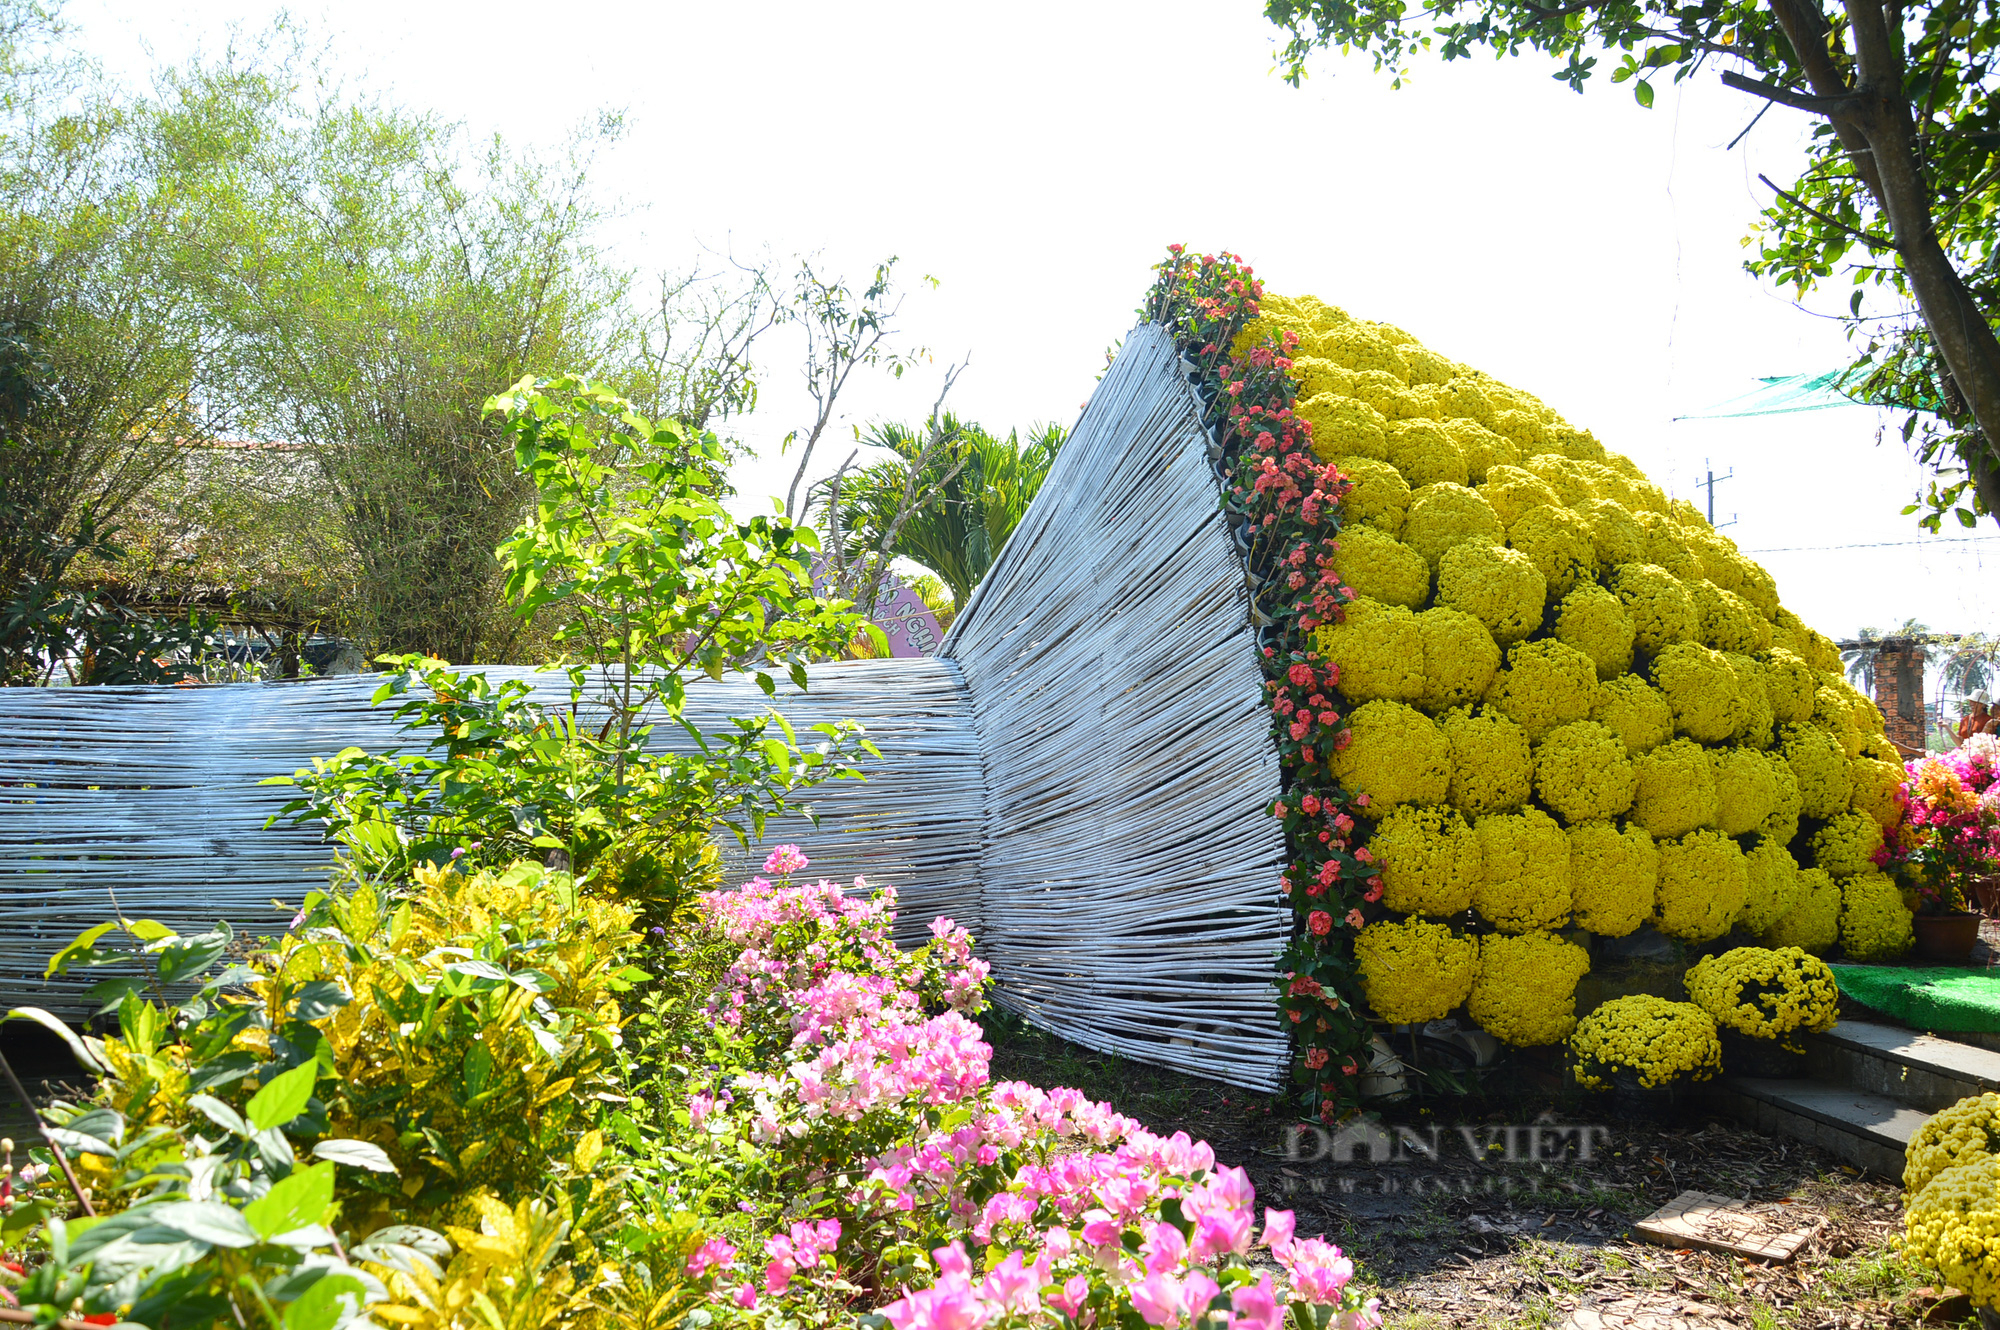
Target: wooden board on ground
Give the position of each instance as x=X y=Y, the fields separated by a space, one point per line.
x=1724 y=1224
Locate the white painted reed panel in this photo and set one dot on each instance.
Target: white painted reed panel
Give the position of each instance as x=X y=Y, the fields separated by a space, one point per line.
x=175 y=827
x=1129 y=876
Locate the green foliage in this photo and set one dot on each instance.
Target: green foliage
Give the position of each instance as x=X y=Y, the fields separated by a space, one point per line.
x=1900 y=188
x=979 y=486
x=451 y=1047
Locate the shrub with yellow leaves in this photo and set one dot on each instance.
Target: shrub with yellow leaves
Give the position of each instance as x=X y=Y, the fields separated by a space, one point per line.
x=1524 y=992
x=1614 y=873
x=1430 y=860
x=1524 y=871
x=1703 y=882
x=1414 y=970
x=1656 y=1041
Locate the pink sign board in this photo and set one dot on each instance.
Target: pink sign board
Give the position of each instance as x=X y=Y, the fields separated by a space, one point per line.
x=900 y=613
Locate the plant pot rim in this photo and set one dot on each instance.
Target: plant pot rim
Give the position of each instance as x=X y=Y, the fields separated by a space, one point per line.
x=1949 y=914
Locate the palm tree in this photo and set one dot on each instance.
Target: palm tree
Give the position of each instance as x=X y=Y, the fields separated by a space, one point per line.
x=979 y=487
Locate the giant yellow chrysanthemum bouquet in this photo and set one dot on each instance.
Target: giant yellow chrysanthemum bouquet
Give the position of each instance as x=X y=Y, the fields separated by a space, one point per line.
x=1516 y=689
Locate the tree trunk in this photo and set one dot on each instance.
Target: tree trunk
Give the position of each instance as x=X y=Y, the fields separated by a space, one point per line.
x=1874 y=126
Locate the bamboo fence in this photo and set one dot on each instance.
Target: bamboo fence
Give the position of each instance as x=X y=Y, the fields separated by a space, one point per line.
x=1078 y=777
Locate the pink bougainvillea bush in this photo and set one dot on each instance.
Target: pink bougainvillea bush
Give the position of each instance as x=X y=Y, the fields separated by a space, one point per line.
x=846 y=1150
x=1950 y=835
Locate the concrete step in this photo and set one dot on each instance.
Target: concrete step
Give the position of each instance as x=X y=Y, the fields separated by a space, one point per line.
x=1867 y=1130
x=1921 y=1070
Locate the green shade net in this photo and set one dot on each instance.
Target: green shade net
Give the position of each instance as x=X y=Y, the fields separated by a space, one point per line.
x=1780 y=396
x=1953 y=999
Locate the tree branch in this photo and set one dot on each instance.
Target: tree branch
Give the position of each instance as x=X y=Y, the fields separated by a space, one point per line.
x=1865 y=237
x=1830 y=107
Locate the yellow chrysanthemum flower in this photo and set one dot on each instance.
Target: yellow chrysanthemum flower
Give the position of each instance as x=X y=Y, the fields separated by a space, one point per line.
x=1771 y=886
x=1359 y=346
x=1874 y=922
x=1614 y=875
x=1786 y=802
x=1379 y=650
x=1661 y=610
x=1825 y=784
x=1395 y=755
x=1525 y=430
x=1967 y=1131
x=1878 y=790
x=1744 y=793
x=1953 y=1226
x=1425 y=453
x=1512 y=491
x=1462 y=398
x=1582 y=772
x=1813 y=922
x=1430 y=860
x=1765 y=993
x=1615 y=535
x=1344 y=427
x=1524 y=992
x=1382 y=568
x=1380 y=497
x=1460 y=658
x=1444 y=515
x=1728 y=622
x=1524 y=871
x=1591 y=620
x=1636 y=710
x=1832 y=713
x=1414 y=971
x=1704 y=692
x=1497 y=586
x=1759 y=728
x=1816 y=649
x=1557 y=541
x=1491 y=764
x=1703 y=882
x=1481 y=447
x=1657 y=1040
x=1675 y=793
x=1667 y=547
x=1316 y=375
x=1847 y=844
x=1791 y=685
x=1545 y=684
x=1563 y=475
x=1580 y=444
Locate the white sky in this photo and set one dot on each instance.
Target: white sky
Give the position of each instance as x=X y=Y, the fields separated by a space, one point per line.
x=1037 y=157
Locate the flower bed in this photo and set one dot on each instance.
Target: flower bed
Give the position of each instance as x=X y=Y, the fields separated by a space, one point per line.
x=1489 y=638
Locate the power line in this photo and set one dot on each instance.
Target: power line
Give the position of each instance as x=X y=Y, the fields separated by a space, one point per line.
x=1878 y=545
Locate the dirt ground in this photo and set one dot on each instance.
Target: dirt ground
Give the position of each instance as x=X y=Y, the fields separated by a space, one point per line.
x=1515 y=1210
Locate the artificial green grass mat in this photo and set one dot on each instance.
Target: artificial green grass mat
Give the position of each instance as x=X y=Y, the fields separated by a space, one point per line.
x=1951 y=998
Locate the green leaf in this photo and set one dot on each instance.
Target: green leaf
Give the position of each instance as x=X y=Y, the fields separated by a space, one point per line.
x=148 y=930
x=205 y=1221
x=355 y=1154
x=328 y=1302
x=1643 y=92
x=83 y=949
x=68 y=1036
x=295 y=1201
x=283 y=1098
x=1965 y=518
x=221 y=1114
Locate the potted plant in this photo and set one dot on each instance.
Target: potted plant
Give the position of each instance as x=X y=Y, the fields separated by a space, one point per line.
x=1641 y=1050
x=1947 y=842
x=1762 y=999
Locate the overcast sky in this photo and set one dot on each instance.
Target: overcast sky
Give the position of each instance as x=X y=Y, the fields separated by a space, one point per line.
x=1036 y=158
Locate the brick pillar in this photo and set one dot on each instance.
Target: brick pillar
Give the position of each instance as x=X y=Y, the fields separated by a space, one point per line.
x=1899 y=692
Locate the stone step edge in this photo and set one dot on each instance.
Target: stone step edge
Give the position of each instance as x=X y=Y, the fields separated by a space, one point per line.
x=1773 y=1092
x=1976 y=1066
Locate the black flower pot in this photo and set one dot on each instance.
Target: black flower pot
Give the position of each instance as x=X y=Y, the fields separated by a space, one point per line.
x=1656 y=1104
x=1765 y=1059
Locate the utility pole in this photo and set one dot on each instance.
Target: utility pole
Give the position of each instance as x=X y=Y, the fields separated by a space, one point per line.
x=1709 y=484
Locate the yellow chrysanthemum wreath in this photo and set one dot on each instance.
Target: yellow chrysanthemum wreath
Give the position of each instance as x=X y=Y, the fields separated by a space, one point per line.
x=1766 y=994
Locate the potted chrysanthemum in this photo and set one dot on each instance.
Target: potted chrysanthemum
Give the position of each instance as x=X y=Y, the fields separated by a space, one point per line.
x=1642 y=1050
x=1763 y=1000
x=1948 y=841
